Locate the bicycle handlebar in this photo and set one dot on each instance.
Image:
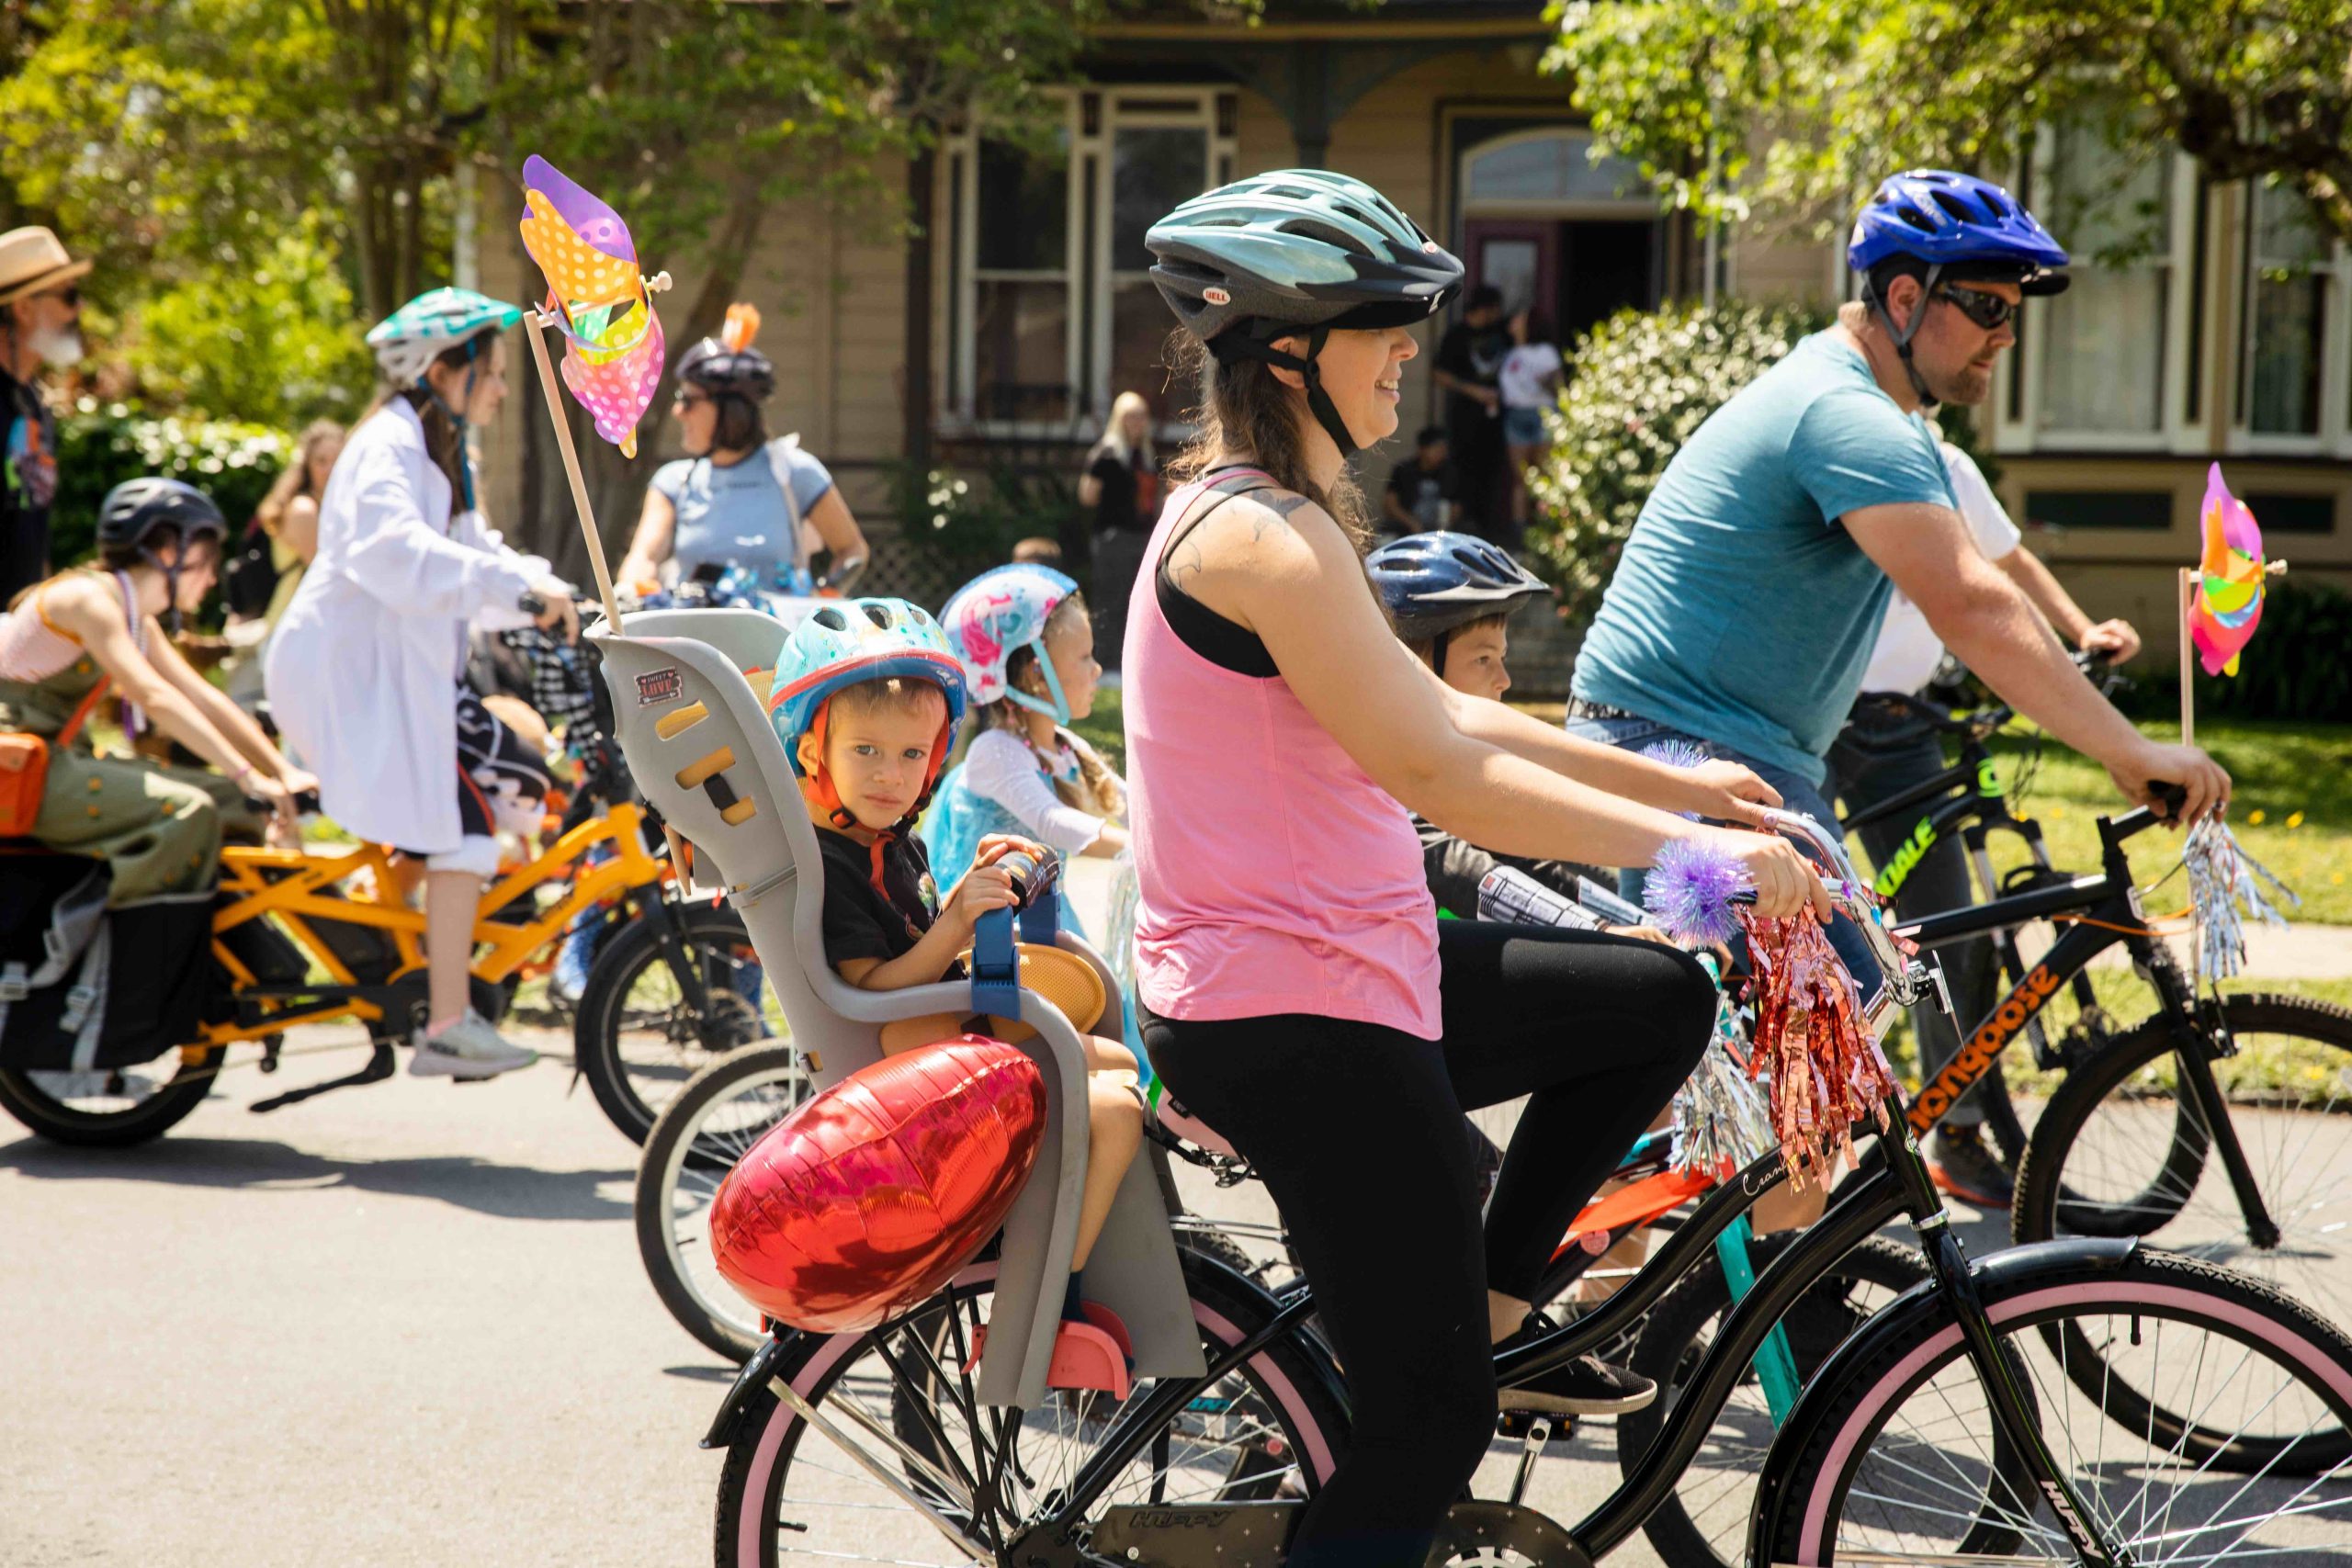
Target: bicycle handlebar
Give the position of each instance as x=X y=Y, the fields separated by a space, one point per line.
x=1907 y=980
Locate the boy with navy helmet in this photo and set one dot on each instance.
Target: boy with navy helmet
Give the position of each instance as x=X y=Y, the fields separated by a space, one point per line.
x=867 y=698
x=1749 y=594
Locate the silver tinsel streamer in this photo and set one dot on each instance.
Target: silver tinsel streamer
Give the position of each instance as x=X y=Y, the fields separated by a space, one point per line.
x=2222 y=875
x=1722 y=1119
x=1119 y=923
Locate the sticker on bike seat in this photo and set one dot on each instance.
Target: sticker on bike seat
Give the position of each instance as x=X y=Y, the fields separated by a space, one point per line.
x=660 y=686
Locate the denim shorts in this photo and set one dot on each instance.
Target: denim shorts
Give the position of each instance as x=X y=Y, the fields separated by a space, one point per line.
x=1523 y=427
x=1798 y=794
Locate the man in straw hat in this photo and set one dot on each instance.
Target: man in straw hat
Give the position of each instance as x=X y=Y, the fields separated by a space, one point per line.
x=40 y=309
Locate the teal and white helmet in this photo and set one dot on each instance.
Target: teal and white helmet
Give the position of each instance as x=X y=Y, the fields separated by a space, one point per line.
x=428 y=326
x=1297 y=250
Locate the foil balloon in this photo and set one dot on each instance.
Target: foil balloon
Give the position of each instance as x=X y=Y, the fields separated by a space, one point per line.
x=868 y=1199
x=613 y=347
x=2229 y=579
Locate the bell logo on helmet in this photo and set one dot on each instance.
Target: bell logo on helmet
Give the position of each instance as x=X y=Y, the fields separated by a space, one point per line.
x=1217 y=296
x=1430 y=246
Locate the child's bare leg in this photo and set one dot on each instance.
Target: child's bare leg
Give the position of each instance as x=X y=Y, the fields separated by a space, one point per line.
x=1786 y=1209
x=1114 y=1130
x=906 y=1034
x=1107 y=1055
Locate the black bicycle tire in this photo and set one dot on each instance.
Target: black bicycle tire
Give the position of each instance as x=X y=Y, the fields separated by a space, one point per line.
x=651 y=1198
x=1674 y=1329
x=2040 y=1194
x=163 y=1110
x=1822 y=1427
x=620 y=961
x=1208 y=1284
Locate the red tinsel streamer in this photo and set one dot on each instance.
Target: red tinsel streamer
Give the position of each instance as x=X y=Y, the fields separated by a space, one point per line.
x=1827 y=1073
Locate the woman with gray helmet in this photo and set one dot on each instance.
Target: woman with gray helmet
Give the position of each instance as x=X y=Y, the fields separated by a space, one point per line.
x=739 y=498
x=65 y=640
x=1288 y=955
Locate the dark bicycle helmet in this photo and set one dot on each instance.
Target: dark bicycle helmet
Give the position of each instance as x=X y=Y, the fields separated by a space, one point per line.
x=1297 y=249
x=1435 y=584
x=135 y=509
x=1963 y=228
x=728 y=364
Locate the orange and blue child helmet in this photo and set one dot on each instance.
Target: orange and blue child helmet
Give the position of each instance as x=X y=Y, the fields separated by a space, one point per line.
x=848 y=643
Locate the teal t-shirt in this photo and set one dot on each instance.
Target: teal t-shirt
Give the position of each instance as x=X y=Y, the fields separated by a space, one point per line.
x=1741 y=612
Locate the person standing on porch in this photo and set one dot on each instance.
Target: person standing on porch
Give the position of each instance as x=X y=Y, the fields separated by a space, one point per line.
x=1121 y=486
x=1469 y=364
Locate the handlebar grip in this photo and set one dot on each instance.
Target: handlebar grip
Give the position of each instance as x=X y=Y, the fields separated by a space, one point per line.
x=308 y=800
x=1022 y=869
x=2170 y=795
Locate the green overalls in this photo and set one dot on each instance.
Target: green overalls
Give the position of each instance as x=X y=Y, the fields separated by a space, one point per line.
x=158 y=827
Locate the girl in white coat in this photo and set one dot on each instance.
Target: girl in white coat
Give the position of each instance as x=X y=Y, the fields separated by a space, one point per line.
x=364 y=669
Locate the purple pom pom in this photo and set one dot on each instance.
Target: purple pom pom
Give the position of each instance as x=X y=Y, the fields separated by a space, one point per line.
x=1689 y=891
x=1676 y=753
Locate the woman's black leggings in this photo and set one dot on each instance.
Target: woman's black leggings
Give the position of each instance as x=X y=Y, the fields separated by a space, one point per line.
x=1357 y=1130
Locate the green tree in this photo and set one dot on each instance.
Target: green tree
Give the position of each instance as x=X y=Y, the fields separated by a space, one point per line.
x=190 y=142
x=1798 y=106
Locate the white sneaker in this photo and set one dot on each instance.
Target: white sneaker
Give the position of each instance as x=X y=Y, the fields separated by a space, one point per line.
x=469 y=1048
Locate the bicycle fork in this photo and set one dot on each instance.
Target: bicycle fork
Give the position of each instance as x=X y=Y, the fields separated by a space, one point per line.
x=1948 y=1265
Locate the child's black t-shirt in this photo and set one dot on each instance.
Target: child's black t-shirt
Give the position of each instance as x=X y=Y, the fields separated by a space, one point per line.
x=862 y=921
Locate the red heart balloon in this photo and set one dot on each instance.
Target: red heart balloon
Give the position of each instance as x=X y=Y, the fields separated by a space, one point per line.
x=872 y=1195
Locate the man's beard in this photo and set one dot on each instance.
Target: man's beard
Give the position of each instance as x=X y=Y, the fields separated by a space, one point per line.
x=60 y=346
x=1967 y=386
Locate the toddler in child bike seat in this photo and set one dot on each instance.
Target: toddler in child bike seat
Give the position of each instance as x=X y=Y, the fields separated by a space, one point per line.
x=866 y=697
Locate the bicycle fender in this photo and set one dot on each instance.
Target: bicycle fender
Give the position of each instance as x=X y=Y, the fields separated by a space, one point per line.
x=1998 y=1274
x=754 y=1376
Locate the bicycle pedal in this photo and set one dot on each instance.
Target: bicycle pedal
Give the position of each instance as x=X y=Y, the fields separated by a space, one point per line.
x=1518 y=1424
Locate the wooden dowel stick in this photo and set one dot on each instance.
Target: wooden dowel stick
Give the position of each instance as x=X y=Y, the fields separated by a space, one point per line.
x=2188 y=645
x=536 y=323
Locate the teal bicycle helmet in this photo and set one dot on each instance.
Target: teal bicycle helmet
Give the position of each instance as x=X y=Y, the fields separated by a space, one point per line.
x=1296 y=250
x=408 y=341
x=847 y=643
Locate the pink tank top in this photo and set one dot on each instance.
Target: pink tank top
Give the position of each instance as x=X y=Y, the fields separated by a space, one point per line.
x=1274 y=877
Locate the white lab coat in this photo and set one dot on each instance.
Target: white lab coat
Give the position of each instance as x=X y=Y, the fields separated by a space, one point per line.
x=364 y=666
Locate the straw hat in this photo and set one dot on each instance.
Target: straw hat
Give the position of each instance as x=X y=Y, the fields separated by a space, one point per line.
x=32 y=260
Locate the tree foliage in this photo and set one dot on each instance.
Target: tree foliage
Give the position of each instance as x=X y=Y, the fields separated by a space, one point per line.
x=189 y=143
x=1799 y=106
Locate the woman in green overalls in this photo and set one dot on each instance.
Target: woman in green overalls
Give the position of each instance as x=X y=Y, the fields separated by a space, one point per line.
x=158 y=827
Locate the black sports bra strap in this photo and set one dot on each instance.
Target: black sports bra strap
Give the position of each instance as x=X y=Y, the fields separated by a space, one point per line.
x=1241 y=481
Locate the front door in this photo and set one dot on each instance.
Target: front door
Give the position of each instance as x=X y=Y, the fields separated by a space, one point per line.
x=1519 y=257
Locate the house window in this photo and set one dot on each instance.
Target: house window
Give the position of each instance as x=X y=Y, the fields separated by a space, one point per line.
x=1020 y=310
x=1055 y=312
x=2104 y=341
x=2291 y=293
x=1548 y=166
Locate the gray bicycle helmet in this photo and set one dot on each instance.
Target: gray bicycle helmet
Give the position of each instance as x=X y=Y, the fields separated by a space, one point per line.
x=1296 y=249
x=1434 y=584
x=135 y=509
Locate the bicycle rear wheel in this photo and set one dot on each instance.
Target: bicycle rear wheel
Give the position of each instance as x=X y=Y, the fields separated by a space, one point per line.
x=915 y=1442
x=2121 y=1151
x=722 y=1112
x=111 y=1107
x=1895 y=1463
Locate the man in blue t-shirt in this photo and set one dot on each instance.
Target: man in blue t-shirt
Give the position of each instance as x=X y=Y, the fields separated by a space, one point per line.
x=1749 y=594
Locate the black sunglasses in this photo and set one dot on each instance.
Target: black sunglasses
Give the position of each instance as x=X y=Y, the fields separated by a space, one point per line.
x=1988 y=311
x=684 y=399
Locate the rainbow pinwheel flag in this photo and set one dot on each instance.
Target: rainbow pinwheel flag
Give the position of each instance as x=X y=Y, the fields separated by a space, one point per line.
x=614 y=348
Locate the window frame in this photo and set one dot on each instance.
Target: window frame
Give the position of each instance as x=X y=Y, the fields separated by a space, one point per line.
x=2017 y=429
x=1089 y=283
x=2333 y=436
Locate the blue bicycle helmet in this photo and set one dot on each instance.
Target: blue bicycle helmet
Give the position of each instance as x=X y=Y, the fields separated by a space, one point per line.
x=1435 y=584
x=847 y=644
x=1960 y=228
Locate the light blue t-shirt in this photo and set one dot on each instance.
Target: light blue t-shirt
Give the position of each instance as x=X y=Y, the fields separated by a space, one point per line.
x=1741 y=613
x=736 y=515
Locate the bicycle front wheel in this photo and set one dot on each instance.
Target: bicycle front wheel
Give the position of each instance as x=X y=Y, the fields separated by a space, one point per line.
x=722 y=1112
x=1895 y=1463
x=892 y=1479
x=2122 y=1150
x=637 y=1037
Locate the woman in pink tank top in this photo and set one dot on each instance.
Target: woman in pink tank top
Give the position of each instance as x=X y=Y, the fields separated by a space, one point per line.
x=1297 y=994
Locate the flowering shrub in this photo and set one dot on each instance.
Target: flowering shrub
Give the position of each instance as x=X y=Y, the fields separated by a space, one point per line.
x=101 y=445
